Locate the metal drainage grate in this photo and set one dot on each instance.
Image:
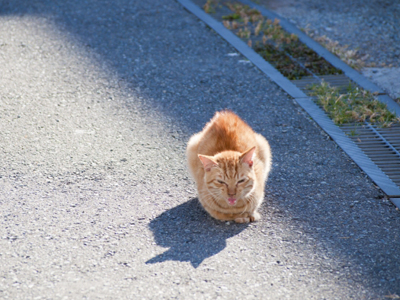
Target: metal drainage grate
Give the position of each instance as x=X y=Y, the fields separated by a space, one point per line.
x=338 y=81
x=298 y=93
x=381 y=145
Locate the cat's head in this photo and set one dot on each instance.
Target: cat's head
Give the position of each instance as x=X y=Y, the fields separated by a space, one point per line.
x=229 y=175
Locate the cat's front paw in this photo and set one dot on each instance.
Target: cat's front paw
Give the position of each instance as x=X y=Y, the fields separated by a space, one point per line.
x=247 y=218
x=242 y=220
x=255 y=216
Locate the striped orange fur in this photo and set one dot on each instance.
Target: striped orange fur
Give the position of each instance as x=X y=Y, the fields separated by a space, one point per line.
x=230 y=164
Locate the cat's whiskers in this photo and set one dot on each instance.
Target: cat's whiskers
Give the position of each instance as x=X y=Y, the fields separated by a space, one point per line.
x=214 y=193
x=210 y=197
x=227 y=150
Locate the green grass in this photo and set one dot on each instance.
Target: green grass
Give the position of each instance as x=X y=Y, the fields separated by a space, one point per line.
x=353 y=132
x=274 y=44
x=278 y=47
x=245 y=13
x=357 y=105
x=280 y=61
x=210 y=6
x=231 y=17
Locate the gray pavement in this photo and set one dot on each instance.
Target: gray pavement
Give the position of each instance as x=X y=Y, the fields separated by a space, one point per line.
x=371 y=28
x=97 y=102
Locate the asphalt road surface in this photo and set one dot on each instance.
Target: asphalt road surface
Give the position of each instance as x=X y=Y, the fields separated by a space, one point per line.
x=97 y=102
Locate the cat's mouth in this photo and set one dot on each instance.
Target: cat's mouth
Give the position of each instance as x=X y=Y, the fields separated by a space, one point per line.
x=232 y=201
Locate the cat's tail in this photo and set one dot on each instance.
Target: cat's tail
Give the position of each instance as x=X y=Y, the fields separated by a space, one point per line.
x=264 y=154
x=192 y=154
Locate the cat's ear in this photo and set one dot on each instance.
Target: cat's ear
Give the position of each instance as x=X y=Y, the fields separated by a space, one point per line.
x=208 y=162
x=248 y=156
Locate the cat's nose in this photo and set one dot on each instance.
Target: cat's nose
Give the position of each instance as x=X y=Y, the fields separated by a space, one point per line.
x=231 y=193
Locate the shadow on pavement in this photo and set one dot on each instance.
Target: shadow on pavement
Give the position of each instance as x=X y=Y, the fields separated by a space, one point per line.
x=190 y=234
x=184 y=82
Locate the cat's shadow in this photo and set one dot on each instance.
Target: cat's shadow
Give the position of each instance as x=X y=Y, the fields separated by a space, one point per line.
x=190 y=234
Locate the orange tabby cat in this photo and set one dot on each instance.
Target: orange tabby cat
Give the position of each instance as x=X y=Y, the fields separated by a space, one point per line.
x=230 y=164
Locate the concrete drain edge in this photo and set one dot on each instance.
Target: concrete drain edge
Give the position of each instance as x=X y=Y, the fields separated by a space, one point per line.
x=319 y=116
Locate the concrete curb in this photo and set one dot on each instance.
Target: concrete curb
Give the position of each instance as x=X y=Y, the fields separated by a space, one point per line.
x=355 y=76
x=319 y=116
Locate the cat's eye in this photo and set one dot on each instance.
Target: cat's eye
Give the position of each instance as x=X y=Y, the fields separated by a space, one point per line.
x=221 y=182
x=241 y=181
